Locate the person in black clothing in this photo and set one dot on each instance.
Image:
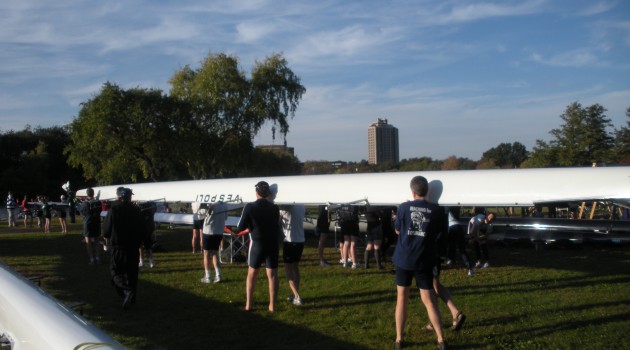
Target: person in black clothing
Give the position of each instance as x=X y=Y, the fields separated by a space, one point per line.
x=262 y=219
x=322 y=229
x=388 y=214
x=125 y=228
x=374 y=236
x=91 y=211
x=456 y=239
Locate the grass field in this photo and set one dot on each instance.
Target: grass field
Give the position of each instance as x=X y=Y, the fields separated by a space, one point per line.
x=568 y=298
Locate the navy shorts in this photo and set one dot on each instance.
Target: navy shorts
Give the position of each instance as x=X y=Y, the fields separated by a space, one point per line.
x=292 y=252
x=424 y=277
x=259 y=253
x=197 y=224
x=211 y=242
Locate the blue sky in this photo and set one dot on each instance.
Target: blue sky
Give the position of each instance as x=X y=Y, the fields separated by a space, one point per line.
x=455 y=77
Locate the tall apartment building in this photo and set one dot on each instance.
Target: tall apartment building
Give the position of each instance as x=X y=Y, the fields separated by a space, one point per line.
x=382 y=142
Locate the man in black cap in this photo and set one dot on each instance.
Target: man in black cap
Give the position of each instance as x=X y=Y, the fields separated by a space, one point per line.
x=124 y=229
x=262 y=219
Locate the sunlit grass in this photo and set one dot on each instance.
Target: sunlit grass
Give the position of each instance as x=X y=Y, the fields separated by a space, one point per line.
x=571 y=298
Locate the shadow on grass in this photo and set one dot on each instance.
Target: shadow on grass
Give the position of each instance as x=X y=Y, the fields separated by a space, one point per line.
x=164 y=317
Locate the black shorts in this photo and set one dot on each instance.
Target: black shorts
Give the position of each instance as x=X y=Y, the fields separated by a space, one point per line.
x=424 y=277
x=375 y=234
x=211 y=242
x=259 y=253
x=292 y=252
x=197 y=224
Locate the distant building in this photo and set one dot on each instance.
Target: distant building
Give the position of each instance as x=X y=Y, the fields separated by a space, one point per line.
x=279 y=149
x=382 y=143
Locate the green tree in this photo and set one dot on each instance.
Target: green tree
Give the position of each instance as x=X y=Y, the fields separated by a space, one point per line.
x=622 y=141
x=229 y=109
x=506 y=155
x=582 y=139
x=423 y=163
x=130 y=135
x=32 y=162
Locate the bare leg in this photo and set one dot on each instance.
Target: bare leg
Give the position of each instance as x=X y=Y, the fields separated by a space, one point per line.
x=216 y=262
x=446 y=297
x=293 y=276
x=250 y=286
x=272 y=277
x=401 y=312
x=429 y=299
x=353 y=253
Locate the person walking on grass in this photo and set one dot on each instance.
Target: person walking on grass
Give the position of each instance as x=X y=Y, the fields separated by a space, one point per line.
x=418 y=224
x=91 y=212
x=124 y=228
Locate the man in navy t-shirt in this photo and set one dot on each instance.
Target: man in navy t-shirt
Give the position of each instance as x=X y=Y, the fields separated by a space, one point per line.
x=418 y=224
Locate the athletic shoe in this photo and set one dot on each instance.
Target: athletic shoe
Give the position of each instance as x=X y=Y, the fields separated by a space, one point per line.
x=344 y=265
x=478 y=264
x=355 y=266
x=485 y=266
x=141 y=264
x=324 y=263
x=398 y=345
x=127 y=300
x=297 y=301
x=448 y=262
x=205 y=280
x=471 y=272
x=441 y=346
x=217 y=279
x=151 y=264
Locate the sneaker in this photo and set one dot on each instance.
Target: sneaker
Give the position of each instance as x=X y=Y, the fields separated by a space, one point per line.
x=297 y=301
x=471 y=272
x=478 y=264
x=441 y=346
x=354 y=266
x=127 y=300
x=151 y=264
x=205 y=280
x=398 y=345
x=344 y=265
x=217 y=279
x=448 y=262
x=341 y=261
x=324 y=263
x=485 y=266
x=141 y=264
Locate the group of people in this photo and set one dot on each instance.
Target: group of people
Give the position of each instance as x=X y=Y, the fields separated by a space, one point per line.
x=263 y=221
x=419 y=224
x=40 y=209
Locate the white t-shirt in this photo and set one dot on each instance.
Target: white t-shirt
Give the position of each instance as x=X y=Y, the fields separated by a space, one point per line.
x=215 y=221
x=293 y=223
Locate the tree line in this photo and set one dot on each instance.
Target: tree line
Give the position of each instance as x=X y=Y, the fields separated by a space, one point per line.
x=205 y=125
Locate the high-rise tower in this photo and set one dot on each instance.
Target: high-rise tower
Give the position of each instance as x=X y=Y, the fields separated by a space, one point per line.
x=382 y=142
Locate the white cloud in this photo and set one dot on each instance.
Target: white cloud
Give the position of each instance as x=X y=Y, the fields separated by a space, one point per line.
x=574 y=58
